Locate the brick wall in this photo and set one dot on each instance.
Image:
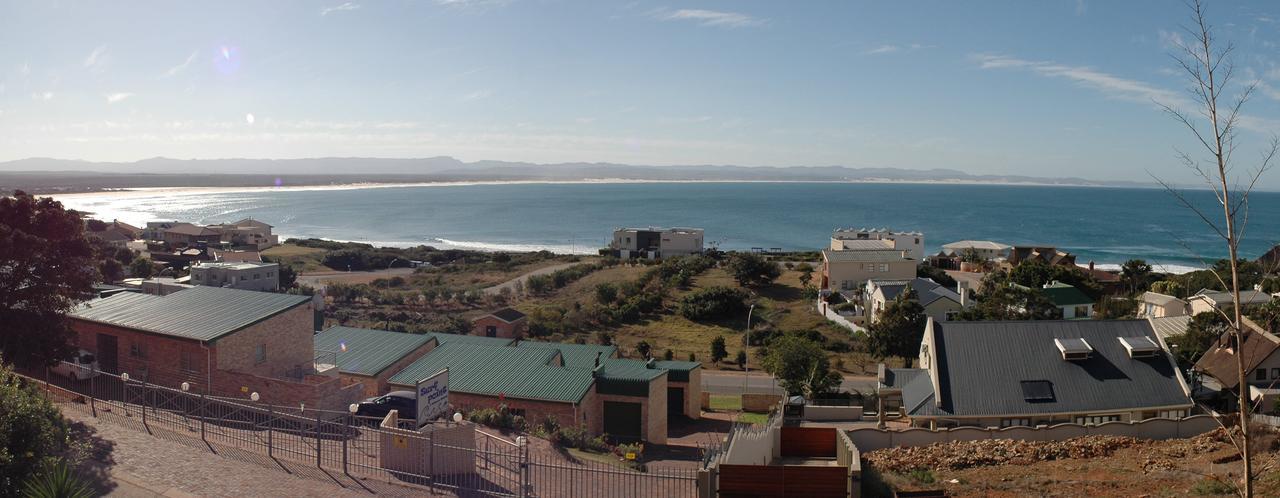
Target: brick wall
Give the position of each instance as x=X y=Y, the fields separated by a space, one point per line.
x=656 y=425
x=326 y=393
x=159 y=357
x=288 y=338
x=692 y=402
x=507 y=330
x=535 y=411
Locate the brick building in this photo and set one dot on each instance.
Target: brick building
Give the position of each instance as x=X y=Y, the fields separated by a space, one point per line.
x=506 y=323
x=371 y=357
x=224 y=342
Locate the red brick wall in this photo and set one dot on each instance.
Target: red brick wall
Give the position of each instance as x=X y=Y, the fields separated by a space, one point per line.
x=289 y=340
x=162 y=361
x=507 y=330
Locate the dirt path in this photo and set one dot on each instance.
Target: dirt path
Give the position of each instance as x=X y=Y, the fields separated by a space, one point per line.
x=511 y=284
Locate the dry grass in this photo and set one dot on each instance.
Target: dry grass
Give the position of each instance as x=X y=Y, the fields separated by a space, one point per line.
x=302 y=259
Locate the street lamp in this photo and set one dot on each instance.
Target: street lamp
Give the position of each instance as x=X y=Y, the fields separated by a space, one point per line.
x=746 y=339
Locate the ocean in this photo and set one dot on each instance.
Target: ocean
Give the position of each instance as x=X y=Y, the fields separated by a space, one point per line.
x=1105 y=225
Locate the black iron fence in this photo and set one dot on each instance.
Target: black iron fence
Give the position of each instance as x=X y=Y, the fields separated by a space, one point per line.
x=443 y=456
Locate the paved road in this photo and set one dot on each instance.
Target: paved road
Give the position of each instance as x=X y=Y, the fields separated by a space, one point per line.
x=318 y=280
x=718 y=382
x=511 y=284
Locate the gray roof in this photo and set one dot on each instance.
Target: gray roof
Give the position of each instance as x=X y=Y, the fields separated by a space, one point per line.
x=1169 y=326
x=927 y=290
x=885 y=256
x=1159 y=299
x=199 y=313
x=1247 y=296
x=368 y=351
x=981 y=367
x=977 y=244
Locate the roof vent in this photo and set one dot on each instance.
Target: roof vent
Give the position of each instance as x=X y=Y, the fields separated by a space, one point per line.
x=649 y=364
x=1074 y=349
x=1037 y=391
x=1140 y=346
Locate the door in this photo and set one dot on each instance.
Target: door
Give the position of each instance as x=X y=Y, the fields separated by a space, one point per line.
x=622 y=420
x=675 y=401
x=490 y=331
x=108 y=353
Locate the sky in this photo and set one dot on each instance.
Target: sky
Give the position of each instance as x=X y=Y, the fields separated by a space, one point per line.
x=1053 y=88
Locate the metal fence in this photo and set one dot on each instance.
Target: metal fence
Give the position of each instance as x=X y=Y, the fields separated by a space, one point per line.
x=482 y=464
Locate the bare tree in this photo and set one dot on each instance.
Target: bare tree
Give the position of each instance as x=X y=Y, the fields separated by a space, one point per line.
x=1209 y=67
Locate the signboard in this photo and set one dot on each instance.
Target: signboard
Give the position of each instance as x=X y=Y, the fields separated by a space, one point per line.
x=433 y=396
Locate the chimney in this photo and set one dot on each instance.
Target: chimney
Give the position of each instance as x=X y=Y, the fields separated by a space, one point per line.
x=1090 y=265
x=598 y=353
x=649 y=364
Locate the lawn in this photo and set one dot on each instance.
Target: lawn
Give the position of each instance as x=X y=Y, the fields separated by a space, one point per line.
x=726 y=402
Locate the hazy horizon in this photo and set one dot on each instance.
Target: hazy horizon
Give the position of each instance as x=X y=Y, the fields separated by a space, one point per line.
x=1052 y=90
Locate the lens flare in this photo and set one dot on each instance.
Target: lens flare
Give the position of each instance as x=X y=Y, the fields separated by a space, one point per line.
x=248 y=118
x=227 y=60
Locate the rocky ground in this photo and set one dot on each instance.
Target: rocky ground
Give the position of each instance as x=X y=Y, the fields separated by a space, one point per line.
x=1205 y=465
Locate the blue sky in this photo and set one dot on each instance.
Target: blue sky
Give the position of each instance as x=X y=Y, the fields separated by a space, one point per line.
x=1002 y=87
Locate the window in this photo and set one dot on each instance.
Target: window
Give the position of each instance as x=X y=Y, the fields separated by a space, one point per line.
x=951 y=315
x=490 y=331
x=1175 y=414
x=195 y=277
x=186 y=362
x=269 y=274
x=519 y=412
x=138 y=350
x=1082 y=311
x=1260 y=374
x=1096 y=419
x=884 y=267
x=1015 y=422
x=257 y=276
x=260 y=354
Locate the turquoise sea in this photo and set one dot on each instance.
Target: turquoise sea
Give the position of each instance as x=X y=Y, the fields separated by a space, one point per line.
x=1106 y=225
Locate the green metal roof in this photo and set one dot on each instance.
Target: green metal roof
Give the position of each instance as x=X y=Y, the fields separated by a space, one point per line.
x=368 y=351
x=525 y=373
x=626 y=377
x=478 y=340
x=199 y=313
x=678 y=371
x=575 y=355
x=1065 y=295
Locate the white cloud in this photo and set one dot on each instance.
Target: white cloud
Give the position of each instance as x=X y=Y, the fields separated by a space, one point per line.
x=339 y=8
x=42 y=96
x=1110 y=85
x=25 y=70
x=883 y=49
x=476 y=95
x=713 y=18
x=96 y=57
x=117 y=97
x=472 y=4
x=248 y=118
x=181 y=67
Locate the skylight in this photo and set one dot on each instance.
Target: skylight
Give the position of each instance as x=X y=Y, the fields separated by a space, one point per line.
x=1037 y=391
x=1140 y=346
x=1074 y=349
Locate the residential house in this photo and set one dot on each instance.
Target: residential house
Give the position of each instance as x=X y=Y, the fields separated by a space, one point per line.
x=246 y=275
x=116 y=233
x=654 y=242
x=154 y=231
x=1029 y=373
x=1157 y=305
x=506 y=323
x=911 y=242
x=1209 y=300
x=224 y=342
x=1073 y=302
x=1261 y=363
x=985 y=249
x=939 y=302
x=235 y=256
x=189 y=235
x=247 y=233
x=572 y=383
x=1047 y=255
x=1109 y=282
x=850 y=270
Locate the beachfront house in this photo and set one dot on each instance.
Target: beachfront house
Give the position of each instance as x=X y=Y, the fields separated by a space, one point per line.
x=247 y=233
x=984 y=249
x=1157 y=305
x=1260 y=358
x=1209 y=300
x=851 y=269
x=940 y=303
x=846 y=239
x=1029 y=373
x=654 y=242
x=245 y=275
x=1044 y=254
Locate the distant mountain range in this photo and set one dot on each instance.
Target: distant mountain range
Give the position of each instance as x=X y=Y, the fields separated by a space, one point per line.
x=62 y=175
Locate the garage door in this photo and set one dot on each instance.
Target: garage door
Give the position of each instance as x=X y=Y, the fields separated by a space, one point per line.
x=622 y=420
x=675 y=401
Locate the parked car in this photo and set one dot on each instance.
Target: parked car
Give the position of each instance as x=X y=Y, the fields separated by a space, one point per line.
x=404 y=402
x=80 y=367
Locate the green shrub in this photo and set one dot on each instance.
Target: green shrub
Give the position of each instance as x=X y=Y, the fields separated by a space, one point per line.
x=1210 y=487
x=501 y=418
x=922 y=476
x=56 y=480
x=31 y=431
x=713 y=303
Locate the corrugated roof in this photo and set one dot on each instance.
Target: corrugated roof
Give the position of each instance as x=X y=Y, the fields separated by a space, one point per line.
x=865 y=244
x=478 y=340
x=626 y=377
x=1159 y=299
x=981 y=366
x=1169 y=326
x=575 y=355
x=884 y=256
x=1247 y=296
x=368 y=351
x=926 y=289
x=199 y=313
x=525 y=373
x=678 y=371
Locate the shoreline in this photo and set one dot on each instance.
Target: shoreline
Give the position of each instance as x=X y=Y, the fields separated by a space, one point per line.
x=195 y=189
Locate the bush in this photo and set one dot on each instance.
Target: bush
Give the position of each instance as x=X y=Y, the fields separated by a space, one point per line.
x=752 y=270
x=32 y=431
x=56 y=480
x=502 y=418
x=713 y=303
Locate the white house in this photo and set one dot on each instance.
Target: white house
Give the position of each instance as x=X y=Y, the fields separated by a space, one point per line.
x=911 y=242
x=654 y=242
